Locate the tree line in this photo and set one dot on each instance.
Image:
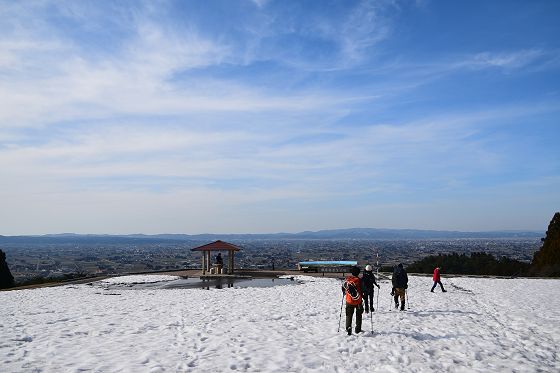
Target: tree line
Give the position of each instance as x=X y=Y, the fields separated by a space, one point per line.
x=477 y=263
x=545 y=263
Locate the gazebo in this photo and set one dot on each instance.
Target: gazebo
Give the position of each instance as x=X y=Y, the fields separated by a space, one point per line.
x=216 y=246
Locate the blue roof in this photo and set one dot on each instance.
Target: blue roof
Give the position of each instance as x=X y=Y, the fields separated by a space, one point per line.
x=330 y=263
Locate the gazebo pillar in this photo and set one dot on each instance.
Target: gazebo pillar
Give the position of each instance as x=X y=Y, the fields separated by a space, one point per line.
x=204 y=263
x=230 y=261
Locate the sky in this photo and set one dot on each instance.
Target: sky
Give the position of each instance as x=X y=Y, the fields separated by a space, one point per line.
x=242 y=116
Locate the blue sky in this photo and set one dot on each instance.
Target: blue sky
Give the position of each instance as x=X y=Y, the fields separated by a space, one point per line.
x=268 y=116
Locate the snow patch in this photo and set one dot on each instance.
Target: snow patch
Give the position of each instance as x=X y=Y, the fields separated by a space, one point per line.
x=138 y=279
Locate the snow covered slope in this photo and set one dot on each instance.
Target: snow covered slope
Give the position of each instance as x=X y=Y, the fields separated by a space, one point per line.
x=482 y=325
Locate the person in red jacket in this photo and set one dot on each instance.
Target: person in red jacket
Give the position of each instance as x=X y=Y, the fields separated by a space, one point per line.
x=437 y=280
x=352 y=290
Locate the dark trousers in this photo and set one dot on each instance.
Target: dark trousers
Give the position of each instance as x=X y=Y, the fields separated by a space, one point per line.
x=368 y=299
x=435 y=284
x=350 y=312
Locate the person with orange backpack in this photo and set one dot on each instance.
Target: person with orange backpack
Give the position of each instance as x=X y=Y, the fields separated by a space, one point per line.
x=352 y=290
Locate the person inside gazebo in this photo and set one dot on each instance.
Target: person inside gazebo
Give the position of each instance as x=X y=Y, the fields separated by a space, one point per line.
x=219 y=262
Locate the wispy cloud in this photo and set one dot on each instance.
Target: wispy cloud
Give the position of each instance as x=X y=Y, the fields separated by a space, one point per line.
x=260 y=3
x=137 y=81
x=365 y=26
x=328 y=38
x=506 y=60
x=345 y=160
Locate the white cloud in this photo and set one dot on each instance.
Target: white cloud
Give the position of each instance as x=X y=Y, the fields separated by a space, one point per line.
x=139 y=80
x=363 y=28
x=524 y=60
x=260 y=3
x=348 y=35
x=354 y=160
x=412 y=75
x=506 y=60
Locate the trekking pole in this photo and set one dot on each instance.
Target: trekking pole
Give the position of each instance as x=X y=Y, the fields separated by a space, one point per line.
x=371 y=321
x=371 y=318
x=378 y=290
x=340 y=316
x=407 y=302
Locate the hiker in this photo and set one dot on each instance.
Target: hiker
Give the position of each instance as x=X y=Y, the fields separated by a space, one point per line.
x=400 y=284
x=352 y=290
x=219 y=262
x=368 y=282
x=437 y=280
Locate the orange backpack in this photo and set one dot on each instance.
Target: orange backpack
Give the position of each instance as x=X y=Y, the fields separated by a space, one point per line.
x=353 y=290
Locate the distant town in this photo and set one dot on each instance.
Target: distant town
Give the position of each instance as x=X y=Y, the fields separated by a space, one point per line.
x=57 y=256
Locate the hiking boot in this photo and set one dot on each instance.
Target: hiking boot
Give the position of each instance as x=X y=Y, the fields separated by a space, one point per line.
x=431 y=291
x=349 y=330
x=402 y=306
x=396 y=306
x=359 y=331
x=444 y=291
x=366 y=310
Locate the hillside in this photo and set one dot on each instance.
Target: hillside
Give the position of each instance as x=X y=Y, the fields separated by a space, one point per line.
x=546 y=261
x=481 y=325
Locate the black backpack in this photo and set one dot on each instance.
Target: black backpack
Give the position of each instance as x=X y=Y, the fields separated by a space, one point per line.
x=400 y=279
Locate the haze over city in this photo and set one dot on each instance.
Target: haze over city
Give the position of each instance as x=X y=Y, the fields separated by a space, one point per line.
x=278 y=116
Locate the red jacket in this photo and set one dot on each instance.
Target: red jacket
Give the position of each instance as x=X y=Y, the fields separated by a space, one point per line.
x=436 y=275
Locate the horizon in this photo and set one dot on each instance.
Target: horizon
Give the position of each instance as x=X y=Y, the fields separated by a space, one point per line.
x=263 y=115
x=276 y=233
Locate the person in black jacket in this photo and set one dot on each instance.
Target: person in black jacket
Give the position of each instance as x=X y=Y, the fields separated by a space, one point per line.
x=368 y=282
x=400 y=284
x=219 y=259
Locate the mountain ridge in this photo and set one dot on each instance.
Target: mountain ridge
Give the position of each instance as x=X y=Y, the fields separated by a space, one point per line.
x=326 y=234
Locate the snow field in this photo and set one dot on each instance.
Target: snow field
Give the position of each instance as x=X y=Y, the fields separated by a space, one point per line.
x=479 y=325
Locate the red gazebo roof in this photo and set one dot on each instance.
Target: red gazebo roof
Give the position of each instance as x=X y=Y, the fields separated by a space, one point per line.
x=217 y=245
